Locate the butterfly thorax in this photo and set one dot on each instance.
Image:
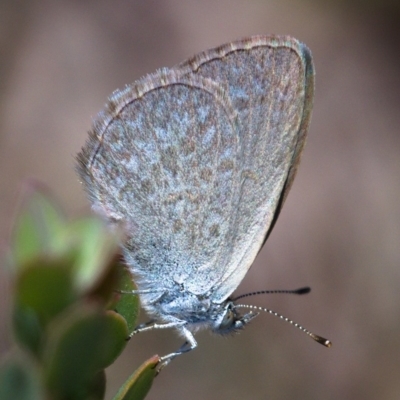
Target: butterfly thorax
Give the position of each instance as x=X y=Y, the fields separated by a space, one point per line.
x=196 y=311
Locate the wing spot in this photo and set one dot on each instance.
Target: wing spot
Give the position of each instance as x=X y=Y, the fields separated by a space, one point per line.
x=227 y=165
x=178 y=225
x=214 y=230
x=206 y=174
x=249 y=174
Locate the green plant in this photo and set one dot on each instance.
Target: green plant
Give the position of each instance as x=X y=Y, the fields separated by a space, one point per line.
x=70 y=315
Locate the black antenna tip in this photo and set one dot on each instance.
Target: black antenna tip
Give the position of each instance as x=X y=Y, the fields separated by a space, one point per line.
x=303 y=290
x=321 y=340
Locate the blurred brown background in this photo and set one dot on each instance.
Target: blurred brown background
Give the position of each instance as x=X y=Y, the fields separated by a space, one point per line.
x=339 y=230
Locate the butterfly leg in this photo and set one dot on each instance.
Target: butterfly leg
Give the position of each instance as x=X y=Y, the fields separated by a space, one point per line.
x=148 y=326
x=190 y=344
x=140 y=328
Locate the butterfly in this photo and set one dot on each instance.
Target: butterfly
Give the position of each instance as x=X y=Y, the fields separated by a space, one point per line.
x=194 y=163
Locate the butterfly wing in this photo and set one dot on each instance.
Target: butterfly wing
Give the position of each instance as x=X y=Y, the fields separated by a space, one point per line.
x=162 y=161
x=196 y=161
x=270 y=82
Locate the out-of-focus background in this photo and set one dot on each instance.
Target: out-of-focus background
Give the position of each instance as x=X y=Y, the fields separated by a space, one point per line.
x=339 y=230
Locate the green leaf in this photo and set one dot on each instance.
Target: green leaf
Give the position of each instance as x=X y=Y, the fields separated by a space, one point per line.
x=43 y=289
x=126 y=304
x=139 y=383
x=97 y=387
x=36 y=227
x=41 y=230
x=19 y=380
x=27 y=329
x=80 y=345
x=95 y=248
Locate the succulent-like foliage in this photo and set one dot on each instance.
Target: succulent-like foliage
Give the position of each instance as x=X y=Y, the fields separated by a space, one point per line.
x=71 y=316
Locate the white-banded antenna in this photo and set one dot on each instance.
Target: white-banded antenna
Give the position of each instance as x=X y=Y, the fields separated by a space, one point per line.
x=317 y=338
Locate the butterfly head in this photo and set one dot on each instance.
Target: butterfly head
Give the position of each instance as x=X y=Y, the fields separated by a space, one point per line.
x=229 y=320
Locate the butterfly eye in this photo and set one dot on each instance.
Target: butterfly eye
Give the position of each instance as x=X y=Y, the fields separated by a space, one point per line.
x=227 y=321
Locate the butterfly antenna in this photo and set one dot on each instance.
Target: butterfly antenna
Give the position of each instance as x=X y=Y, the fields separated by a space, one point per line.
x=317 y=338
x=303 y=290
